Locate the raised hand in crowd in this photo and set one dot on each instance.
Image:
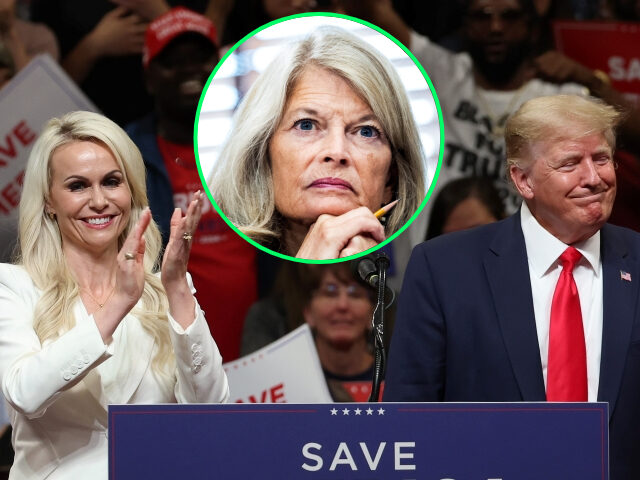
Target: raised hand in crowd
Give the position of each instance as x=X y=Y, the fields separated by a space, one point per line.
x=147 y=9
x=119 y=32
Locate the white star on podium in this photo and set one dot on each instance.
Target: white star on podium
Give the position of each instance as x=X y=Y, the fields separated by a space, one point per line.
x=334 y=411
x=358 y=411
x=345 y=411
x=380 y=411
x=369 y=411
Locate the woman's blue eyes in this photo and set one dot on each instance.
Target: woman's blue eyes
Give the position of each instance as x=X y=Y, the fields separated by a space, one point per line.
x=305 y=124
x=367 y=131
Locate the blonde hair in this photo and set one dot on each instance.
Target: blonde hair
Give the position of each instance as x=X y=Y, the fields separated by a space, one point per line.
x=241 y=180
x=40 y=243
x=556 y=117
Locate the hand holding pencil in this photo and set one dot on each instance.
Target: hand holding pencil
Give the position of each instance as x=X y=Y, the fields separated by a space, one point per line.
x=344 y=235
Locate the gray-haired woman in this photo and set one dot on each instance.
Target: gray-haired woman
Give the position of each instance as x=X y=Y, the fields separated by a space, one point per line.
x=324 y=138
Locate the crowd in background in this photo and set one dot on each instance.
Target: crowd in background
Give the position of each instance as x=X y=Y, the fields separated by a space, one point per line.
x=485 y=57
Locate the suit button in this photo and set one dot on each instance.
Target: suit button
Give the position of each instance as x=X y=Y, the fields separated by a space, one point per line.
x=74 y=370
x=66 y=376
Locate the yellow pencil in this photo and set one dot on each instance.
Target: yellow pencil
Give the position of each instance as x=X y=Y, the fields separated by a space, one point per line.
x=384 y=210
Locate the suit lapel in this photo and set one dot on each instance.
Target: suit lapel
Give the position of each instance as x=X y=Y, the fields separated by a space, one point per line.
x=117 y=378
x=507 y=272
x=130 y=361
x=618 y=297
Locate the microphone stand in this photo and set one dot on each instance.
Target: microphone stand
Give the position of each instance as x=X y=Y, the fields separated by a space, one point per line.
x=382 y=263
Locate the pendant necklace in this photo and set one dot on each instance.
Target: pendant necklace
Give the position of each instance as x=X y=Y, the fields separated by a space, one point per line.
x=103 y=303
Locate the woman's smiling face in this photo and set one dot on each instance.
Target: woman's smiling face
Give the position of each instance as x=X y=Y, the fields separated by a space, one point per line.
x=329 y=153
x=89 y=196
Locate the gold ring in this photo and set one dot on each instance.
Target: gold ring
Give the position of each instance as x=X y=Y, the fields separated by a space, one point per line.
x=130 y=256
x=187 y=236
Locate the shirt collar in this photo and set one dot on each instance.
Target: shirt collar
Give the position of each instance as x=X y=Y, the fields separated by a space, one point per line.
x=543 y=249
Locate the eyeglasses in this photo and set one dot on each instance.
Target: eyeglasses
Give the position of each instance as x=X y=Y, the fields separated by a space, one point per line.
x=334 y=290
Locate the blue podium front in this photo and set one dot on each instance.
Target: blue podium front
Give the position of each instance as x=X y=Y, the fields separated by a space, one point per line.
x=386 y=441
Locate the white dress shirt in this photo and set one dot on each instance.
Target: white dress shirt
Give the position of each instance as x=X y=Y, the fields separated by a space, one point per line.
x=543 y=252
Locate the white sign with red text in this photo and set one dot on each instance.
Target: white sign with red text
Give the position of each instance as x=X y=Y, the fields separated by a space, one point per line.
x=38 y=92
x=285 y=371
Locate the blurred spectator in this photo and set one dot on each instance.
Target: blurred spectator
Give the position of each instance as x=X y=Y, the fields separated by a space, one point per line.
x=465 y=203
x=339 y=312
x=247 y=15
x=439 y=20
x=101 y=45
x=20 y=41
x=278 y=313
x=180 y=53
x=335 y=305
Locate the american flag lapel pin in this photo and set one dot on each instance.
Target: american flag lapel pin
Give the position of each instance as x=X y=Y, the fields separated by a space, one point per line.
x=625 y=276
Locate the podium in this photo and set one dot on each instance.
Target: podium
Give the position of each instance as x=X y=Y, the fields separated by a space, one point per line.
x=386 y=441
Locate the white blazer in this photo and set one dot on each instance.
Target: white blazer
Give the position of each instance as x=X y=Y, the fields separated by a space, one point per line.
x=58 y=392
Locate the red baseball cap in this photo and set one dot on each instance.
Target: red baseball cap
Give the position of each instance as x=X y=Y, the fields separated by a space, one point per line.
x=168 y=26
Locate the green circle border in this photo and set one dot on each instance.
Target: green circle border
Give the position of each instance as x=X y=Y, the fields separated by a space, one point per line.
x=203 y=180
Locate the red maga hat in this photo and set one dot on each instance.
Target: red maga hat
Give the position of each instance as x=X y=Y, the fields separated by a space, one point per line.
x=168 y=26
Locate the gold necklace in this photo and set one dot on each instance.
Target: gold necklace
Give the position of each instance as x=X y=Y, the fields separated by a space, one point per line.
x=103 y=303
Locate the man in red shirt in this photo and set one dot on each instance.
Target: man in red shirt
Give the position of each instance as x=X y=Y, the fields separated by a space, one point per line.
x=180 y=53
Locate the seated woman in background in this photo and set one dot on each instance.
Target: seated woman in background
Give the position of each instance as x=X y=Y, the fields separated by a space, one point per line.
x=337 y=307
x=324 y=138
x=85 y=320
x=339 y=311
x=465 y=203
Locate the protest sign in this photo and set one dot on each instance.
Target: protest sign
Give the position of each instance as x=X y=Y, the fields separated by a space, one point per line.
x=286 y=371
x=38 y=92
x=611 y=47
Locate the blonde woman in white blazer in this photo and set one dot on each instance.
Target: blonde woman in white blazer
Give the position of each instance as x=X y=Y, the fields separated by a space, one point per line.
x=85 y=320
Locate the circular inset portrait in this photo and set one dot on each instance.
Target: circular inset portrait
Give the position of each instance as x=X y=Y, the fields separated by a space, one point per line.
x=318 y=138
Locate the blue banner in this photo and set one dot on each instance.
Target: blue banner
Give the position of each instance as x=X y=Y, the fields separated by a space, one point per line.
x=385 y=441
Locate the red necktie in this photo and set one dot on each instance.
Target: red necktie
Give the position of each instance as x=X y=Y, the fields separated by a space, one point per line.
x=567 y=361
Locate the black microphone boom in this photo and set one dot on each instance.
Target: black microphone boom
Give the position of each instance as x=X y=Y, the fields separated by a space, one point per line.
x=373 y=270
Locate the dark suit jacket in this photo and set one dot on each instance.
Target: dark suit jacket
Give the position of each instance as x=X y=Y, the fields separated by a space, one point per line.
x=465 y=329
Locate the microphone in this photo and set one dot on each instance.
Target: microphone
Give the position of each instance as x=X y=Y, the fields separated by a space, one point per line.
x=367 y=268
